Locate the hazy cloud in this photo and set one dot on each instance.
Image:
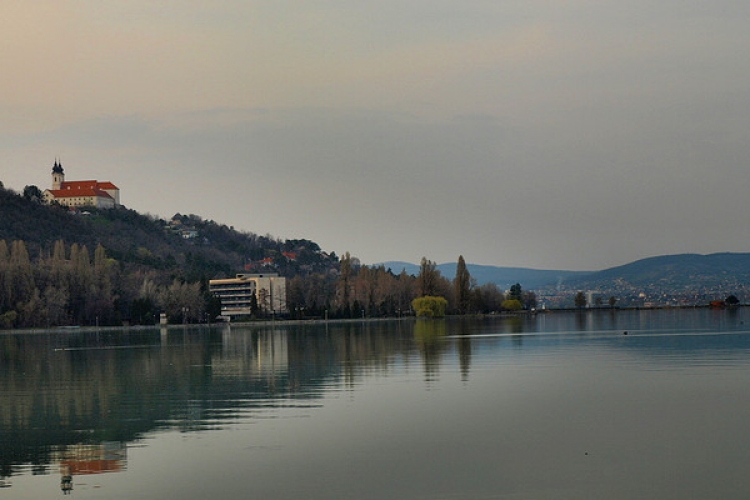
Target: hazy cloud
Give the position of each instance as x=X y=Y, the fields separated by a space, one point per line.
x=573 y=134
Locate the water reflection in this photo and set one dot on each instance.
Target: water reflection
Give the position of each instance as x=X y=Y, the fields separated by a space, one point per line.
x=66 y=483
x=67 y=396
x=429 y=335
x=71 y=403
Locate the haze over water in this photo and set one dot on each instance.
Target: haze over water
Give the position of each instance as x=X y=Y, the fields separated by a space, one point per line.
x=557 y=405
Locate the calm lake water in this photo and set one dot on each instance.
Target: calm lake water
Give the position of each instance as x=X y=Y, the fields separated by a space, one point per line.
x=559 y=405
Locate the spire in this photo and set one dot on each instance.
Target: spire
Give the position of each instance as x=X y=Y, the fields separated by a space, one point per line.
x=57 y=168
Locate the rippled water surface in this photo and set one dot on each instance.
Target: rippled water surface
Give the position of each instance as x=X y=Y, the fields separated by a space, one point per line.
x=609 y=404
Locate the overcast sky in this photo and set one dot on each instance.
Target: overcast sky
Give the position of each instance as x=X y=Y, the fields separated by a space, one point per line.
x=550 y=134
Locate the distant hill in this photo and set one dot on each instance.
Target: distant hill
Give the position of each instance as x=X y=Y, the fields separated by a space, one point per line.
x=665 y=271
x=504 y=277
x=673 y=271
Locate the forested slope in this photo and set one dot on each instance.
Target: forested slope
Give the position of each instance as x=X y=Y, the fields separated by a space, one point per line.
x=110 y=266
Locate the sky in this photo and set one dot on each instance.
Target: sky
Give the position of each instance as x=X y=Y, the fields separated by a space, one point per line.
x=550 y=134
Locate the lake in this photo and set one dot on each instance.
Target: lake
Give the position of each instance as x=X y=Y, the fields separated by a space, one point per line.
x=598 y=404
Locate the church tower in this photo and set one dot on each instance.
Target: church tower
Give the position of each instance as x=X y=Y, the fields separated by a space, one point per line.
x=58 y=176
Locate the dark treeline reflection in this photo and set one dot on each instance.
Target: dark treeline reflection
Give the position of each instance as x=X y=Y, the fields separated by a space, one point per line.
x=68 y=393
x=60 y=390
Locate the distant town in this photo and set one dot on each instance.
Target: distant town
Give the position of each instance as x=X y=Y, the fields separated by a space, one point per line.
x=651 y=296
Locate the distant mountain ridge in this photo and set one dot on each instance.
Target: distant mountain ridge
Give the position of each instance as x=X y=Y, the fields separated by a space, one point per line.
x=673 y=271
x=504 y=277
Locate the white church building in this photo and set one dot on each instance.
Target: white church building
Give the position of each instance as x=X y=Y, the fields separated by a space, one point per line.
x=80 y=193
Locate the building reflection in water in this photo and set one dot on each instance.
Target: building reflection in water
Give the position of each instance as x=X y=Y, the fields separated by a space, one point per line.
x=66 y=482
x=72 y=402
x=83 y=459
x=88 y=459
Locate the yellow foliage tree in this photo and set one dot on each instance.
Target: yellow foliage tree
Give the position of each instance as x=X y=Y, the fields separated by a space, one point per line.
x=511 y=305
x=430 y=306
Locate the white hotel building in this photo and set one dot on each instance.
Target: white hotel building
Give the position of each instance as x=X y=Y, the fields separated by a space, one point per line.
x=236 y=294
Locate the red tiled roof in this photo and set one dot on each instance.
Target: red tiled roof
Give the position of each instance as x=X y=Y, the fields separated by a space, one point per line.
x=87 y=185
x=79 y=192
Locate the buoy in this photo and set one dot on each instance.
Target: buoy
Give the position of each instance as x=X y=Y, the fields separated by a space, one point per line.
x=625 y=332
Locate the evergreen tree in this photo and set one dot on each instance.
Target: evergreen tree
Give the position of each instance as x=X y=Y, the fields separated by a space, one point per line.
x=462 y=286
x=515 y=293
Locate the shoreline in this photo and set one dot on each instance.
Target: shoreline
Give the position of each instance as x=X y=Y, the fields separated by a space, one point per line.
x=265 y=323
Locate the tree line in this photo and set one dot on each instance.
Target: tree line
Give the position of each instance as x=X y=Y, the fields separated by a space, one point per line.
x=374 y=291
x=141 y=267
x=70 y=286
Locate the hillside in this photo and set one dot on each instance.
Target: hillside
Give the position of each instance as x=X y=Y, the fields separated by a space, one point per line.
x=184 y=246
x=673 y=271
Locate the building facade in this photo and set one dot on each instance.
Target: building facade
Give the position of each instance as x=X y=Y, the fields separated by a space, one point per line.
x=80 y=193
x=238 y=295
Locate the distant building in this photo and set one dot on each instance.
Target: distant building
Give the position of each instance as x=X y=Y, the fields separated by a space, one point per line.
x=80 y=193
x=189 y=234
x=236 y=294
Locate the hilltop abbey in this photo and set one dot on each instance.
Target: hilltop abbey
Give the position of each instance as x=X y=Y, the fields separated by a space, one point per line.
x=80 y=193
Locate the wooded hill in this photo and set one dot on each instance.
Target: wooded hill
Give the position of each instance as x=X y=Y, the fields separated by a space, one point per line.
x=673 y=271
x=210 y=250
x=89 y=266
x=114 y=266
